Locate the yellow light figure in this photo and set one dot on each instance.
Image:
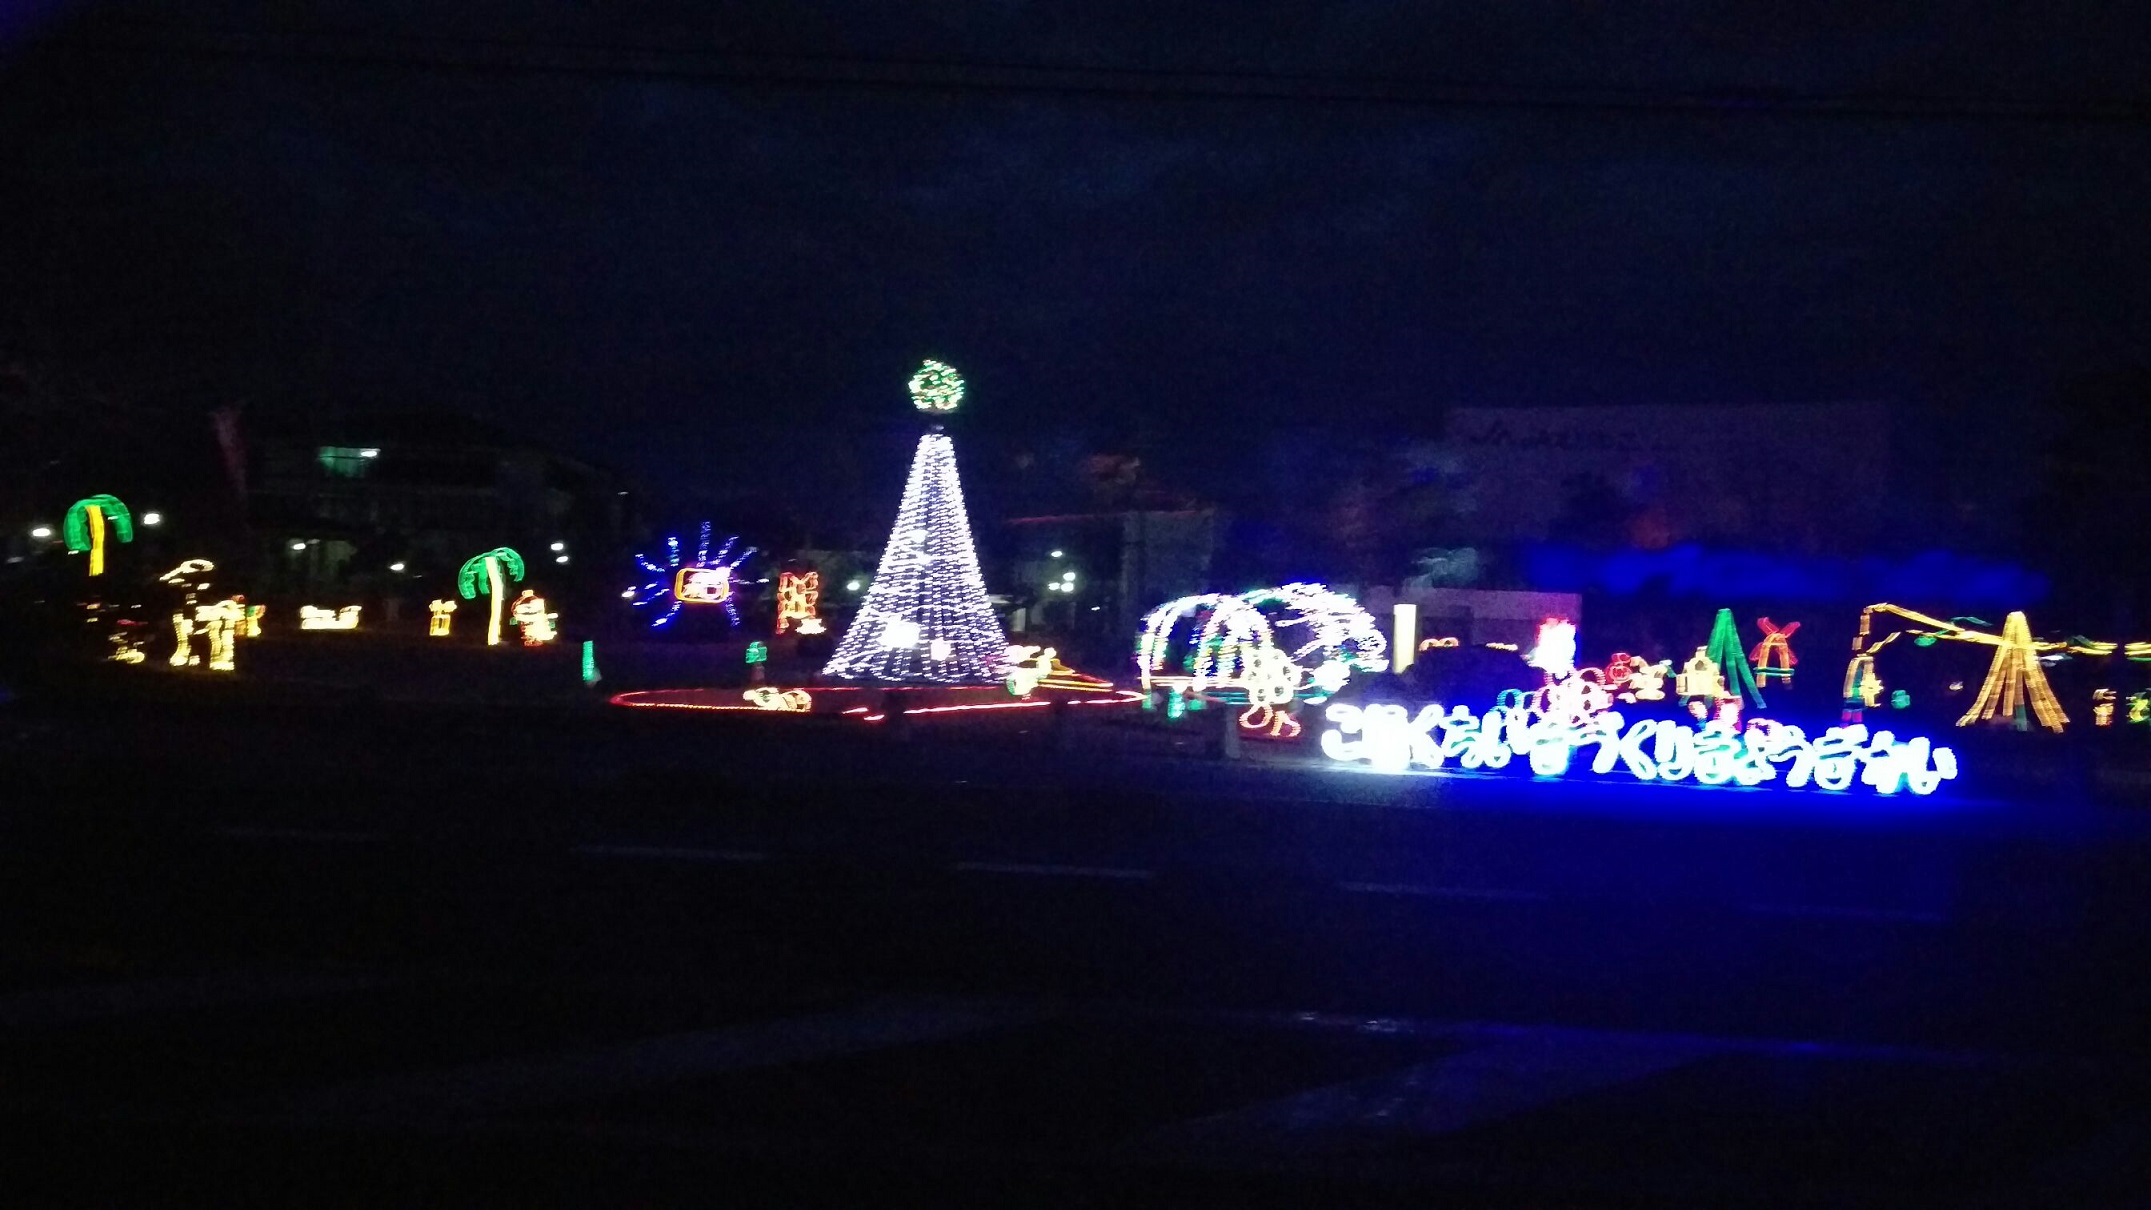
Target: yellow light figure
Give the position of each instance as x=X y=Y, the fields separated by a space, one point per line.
x=1863 y=689
x=190 y=577
x=443 y=618
x=769 y=697
x=221 y=622
x=530 y=617
x=2140 y=707
x=798 y=598
x=1645 y=682
x=1404 y=635
x=2015 y=681
x=1701 y=677
x=2102 y=707
x=1030 y=667
x=183 y=640
x=1027 y=665
x=251 y=627
x=1627 y=677
x=313 y=617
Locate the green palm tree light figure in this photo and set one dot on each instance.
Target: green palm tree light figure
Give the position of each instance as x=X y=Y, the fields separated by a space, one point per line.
x=87 y=520
x=482 y=574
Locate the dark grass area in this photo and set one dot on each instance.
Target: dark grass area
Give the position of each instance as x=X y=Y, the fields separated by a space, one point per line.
x=561 y=878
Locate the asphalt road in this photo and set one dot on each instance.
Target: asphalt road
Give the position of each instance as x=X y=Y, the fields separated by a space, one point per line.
x=350 y=954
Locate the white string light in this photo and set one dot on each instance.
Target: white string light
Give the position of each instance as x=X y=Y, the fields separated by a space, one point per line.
x=925 y=617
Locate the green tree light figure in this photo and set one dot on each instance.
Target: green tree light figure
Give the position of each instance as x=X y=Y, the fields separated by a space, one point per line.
x=481 y=573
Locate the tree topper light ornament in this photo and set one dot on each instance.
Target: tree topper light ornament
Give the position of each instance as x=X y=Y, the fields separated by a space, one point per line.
x=937 y=388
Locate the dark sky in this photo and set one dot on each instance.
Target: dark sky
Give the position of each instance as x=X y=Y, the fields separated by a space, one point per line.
x=698 y=239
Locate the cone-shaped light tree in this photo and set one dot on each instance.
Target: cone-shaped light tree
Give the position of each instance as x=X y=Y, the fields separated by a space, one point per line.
x=2014 y=682
x=925 y=619
x=87 y=521
x=1732 y=658
x=482 y=573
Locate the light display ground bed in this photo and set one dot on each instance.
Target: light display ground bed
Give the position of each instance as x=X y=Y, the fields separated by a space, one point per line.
x=1105 y=791
x=876 y=703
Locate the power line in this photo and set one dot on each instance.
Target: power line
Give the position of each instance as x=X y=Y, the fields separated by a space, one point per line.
x=369 y=49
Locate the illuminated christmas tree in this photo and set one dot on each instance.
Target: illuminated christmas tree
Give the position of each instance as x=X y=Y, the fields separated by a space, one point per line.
x=925 y=620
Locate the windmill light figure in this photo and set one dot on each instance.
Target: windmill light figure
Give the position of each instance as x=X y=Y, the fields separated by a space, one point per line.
x=675 y=583
x=1773 y=657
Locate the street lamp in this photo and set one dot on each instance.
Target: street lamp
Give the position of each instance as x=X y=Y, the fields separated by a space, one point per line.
x=152 y=518
x=42 y=531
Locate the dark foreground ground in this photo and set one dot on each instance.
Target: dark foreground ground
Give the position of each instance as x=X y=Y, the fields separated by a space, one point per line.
x=280 y=950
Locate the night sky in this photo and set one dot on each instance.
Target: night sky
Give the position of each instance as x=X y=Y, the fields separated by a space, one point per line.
x=708 y=241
